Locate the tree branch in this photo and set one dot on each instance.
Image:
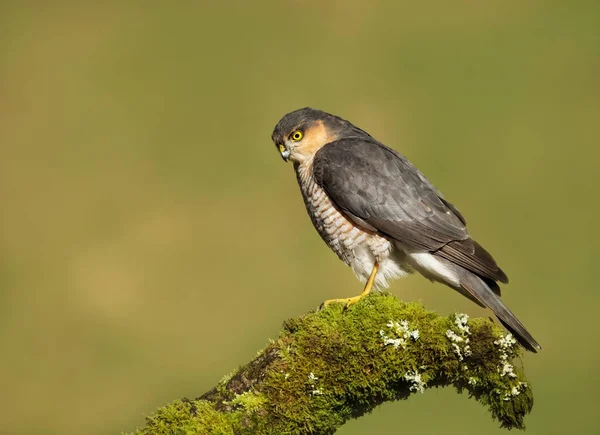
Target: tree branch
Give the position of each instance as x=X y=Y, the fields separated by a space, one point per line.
x=333 y=365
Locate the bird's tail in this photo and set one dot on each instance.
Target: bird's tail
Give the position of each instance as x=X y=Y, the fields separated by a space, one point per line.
x=482 y=292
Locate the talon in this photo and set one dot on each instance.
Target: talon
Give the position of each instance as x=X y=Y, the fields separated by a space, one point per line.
x=346 y=301
x=351 y=301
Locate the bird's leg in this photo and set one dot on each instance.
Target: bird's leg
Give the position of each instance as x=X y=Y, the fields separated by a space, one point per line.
x=366 y=290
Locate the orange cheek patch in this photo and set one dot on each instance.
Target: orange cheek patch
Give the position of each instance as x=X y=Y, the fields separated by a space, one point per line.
x=314 y=138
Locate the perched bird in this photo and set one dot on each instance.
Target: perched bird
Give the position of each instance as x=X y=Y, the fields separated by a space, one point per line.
x=382 y=217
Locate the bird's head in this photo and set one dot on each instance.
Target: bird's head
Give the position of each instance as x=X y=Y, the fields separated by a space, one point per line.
x=300 y=134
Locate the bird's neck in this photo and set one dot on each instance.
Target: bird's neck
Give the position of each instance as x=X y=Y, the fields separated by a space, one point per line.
x=304 y=175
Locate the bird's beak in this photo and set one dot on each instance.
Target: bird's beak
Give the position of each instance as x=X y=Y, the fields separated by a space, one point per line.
x=285 y=153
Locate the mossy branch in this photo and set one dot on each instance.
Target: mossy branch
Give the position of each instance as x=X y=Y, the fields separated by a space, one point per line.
x=335 y=364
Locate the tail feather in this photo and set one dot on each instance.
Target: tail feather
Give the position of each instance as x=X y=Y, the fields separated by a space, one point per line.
x=479 y=290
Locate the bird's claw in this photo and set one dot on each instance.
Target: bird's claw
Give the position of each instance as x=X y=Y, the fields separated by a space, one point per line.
x=348 y=302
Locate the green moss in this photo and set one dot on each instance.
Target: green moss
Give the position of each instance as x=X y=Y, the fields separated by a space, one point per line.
x=187 y=417
x=222 y=385
x=249 y=402
x=225 y=379
x=333 y=365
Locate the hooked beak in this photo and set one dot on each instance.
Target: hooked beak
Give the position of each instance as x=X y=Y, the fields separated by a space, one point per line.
x=285 y=153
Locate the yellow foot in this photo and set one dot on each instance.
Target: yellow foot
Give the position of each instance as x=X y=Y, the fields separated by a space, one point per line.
x=346 y=301
x=350 y=301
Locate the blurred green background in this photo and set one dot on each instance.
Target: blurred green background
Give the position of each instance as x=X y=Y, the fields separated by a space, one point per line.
x=152 y=240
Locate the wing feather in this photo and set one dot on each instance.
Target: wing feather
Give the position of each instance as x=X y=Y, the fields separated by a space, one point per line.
x=376 y=185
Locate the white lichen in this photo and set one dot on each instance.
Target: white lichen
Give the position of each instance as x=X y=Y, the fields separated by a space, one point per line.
x=416 y=381
x=460 y=320
x=515 y=391
x=507 y=369
x=400 y=334
x=505 y=344
x=462 y=336
x=457 y=351
x=453 y=336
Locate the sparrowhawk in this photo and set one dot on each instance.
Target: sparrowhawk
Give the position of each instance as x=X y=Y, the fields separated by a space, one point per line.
x=382 y=217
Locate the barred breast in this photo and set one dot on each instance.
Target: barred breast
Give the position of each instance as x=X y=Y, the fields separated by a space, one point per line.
x=356 y=247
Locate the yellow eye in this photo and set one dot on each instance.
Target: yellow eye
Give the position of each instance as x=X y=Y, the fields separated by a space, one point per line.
x=281 y=148
x=296 y=136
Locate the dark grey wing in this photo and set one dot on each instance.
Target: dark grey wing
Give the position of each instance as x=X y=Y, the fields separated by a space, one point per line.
x=381 y=187
x=376 y=185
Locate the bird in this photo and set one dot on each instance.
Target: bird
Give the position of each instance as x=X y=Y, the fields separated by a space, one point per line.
x=382 y=217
